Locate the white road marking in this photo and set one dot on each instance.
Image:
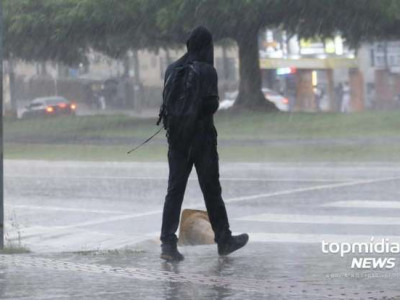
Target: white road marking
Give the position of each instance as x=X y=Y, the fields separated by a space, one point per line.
x=46 y=239
x=317 y=238
x=365 y=204
x=308 y=189
x=255 y=179
x=49 y=230
x=69 y=209
x=43 y=232
x=163 y=164
x=238 y=199
x=322 y=219
x=63 y=233
x=323 y=166
x=77 y=240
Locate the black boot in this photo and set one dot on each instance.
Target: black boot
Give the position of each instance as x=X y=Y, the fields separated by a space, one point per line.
x=232 y=244
x=170 y=252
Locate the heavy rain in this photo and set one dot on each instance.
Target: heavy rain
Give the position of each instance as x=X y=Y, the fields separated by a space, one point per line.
x=275 y=121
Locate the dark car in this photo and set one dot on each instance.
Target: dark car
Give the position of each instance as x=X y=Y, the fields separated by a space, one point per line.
x=49 y=106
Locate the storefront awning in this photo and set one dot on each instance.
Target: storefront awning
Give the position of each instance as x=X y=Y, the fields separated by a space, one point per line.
x=308 y=63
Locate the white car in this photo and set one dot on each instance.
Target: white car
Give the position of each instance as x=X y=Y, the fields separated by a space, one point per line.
x=229 y=100
x=281 y=102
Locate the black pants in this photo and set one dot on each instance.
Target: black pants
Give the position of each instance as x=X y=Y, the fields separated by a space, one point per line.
x=205 y=159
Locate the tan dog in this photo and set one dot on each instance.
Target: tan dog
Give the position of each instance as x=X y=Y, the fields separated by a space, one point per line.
x=195 y=228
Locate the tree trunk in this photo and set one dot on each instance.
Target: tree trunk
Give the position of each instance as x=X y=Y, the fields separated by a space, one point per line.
x=167 y=56
x=225 y=63
x=11 y=76
x=250 y=95
x=127 y=65
x=43 y=68
x=136 y=67
x=138 y=87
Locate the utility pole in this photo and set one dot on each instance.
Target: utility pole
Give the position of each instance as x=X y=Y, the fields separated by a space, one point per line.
x=1 y=133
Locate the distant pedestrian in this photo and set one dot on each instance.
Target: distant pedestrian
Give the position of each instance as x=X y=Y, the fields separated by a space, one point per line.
x=190 y=98
x=338 y=96
x=319 y=95
x=345 y=107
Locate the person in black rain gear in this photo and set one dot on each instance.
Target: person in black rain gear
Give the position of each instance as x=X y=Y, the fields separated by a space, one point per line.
x=202 y=153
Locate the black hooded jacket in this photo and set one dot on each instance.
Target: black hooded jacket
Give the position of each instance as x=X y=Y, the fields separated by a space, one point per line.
x=200 y=48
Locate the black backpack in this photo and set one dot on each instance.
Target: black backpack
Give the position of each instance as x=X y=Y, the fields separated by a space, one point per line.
x=181 y=107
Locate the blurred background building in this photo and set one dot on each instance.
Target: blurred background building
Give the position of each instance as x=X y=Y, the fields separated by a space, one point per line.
x=310 y=73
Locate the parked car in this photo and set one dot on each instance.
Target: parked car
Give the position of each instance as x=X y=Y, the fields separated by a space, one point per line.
x=281 y=102
x=228 y=101
x=49 y=106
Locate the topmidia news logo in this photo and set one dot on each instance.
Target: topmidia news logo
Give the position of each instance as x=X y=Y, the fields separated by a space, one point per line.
x=375 y=254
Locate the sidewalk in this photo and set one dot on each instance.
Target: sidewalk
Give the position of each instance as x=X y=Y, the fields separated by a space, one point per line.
x=257 y=272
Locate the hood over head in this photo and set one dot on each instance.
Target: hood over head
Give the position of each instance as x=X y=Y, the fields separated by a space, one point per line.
x=200 y=45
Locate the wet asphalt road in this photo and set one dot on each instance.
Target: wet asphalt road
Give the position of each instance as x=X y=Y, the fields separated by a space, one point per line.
x=73 y=215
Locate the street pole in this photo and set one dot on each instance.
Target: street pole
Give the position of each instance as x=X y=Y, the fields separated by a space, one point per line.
x=1 y=133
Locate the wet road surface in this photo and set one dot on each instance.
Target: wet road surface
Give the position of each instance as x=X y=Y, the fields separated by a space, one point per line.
x=93 y=232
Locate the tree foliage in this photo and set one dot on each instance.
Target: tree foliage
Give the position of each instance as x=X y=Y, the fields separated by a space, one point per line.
x=356 y=20
x=40 y=30
x=241 y=20
x=63 y=30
